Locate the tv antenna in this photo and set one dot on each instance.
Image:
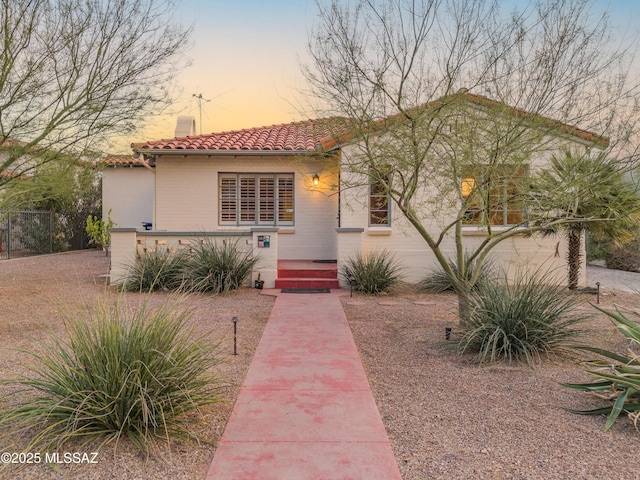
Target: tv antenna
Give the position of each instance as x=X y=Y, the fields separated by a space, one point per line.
x=200 y=100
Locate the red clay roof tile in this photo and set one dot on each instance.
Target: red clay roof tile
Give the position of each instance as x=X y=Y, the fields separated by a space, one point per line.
x=308 y=135
x=325 y=134
x=121 y=162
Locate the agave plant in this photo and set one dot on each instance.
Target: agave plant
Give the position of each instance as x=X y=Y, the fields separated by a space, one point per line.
x=619 y=381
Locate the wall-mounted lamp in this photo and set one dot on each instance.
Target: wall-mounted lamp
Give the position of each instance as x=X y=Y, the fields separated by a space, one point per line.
x=316 y=179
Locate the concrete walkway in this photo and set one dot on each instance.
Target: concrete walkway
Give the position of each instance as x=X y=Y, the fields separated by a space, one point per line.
x=305 y=410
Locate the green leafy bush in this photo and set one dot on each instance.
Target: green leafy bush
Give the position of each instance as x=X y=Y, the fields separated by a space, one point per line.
x=371 y=273
x=521 y=320
x=122 y=373
x=99 y=230
x=438 y=281
x=216 y=267
x=156 y=270
x=619 y=382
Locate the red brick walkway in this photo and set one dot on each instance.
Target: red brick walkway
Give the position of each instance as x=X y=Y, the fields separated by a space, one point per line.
x=305 y=410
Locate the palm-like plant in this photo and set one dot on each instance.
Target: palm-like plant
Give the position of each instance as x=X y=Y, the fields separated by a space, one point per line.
x=592 y=195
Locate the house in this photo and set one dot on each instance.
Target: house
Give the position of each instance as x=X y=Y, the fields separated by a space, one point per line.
x=279 y=191
x=128 y=186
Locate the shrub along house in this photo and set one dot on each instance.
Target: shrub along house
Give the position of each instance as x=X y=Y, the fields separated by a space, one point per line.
x=286 y=193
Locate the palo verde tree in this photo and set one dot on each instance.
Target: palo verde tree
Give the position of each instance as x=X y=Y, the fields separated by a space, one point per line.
x=74 y=73
x=452 y=101
x=594 y=191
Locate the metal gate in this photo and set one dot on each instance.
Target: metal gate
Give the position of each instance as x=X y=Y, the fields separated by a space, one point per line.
x=25 y=233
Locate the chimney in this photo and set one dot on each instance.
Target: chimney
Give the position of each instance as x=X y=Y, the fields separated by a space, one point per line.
x=185 y=127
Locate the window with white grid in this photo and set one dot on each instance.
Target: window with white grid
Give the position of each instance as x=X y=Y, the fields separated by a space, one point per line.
x=256 y=199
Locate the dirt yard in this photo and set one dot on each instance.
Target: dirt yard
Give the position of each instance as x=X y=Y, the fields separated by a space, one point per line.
x=37 y=292
x=446 y=417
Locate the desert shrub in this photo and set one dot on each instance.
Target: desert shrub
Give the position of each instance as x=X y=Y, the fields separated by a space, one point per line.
x=596 y=248
x=619 y=375
x=371 y=273
x=217 y=267
x=121 y=373
x=438 y=281
x=156 y=270
x=624 y=257
x=99 y=230
x=521 y=320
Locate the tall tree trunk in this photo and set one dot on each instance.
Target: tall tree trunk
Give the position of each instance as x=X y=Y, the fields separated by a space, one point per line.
x=464 y=311
x=573 y=257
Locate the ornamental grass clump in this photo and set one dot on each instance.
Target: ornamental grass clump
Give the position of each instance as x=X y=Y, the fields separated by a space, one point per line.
x=371 y=273
x=121 y=373
x=438 y=281
x=155 y=270
x=213 y=267
x=522 y=320
x=618 y=375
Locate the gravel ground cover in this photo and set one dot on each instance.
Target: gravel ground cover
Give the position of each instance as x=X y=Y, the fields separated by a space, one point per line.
x=35 y=291
x=446 y=417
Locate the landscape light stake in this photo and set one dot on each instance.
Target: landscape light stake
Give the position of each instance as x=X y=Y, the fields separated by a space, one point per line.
x=351 y=279
x=447 y=333
x=235 y=331
x=597 y=292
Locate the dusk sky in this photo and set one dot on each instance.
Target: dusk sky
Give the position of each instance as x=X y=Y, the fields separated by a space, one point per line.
x=245 y=60
x=246 y=56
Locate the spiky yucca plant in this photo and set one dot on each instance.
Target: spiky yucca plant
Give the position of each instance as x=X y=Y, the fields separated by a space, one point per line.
x=213 y=267
x=371 y=272
x=156 y=270
x=619 y=375
x=121 y=372
x=438 y=281
x=519 y=320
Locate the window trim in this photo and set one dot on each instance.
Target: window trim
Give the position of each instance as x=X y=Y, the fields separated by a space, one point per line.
x=256 y=202
x=370 y=197
x=467 y=183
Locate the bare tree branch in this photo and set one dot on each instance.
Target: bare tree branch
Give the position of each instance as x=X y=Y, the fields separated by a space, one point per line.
x=74 y=73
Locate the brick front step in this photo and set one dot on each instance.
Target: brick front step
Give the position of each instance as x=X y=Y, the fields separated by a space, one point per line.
x=307 y=283
x=307 y=273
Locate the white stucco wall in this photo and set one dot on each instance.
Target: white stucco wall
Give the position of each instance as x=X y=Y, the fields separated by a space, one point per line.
x=412 y=251
x=129 y=193
x=187 y=198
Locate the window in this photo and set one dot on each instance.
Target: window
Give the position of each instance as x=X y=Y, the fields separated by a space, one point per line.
x=493 y=197
x=256 y=199
x=378 y=204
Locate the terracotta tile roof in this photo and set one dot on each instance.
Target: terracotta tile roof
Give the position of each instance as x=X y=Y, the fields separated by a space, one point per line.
x=533 y=118
x=325 y=134
x=308 y=135
x=8 y=174
x=121 y=162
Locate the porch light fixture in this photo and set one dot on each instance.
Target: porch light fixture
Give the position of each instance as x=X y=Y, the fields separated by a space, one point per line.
x=316 y=179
